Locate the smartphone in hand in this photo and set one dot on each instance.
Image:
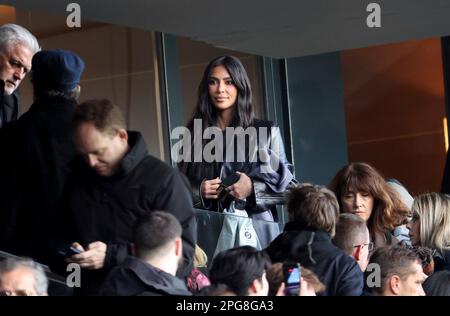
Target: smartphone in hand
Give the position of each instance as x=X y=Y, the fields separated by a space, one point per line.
x=230 y=180
x=68 y=251
x=226 y=182
x=292 y=276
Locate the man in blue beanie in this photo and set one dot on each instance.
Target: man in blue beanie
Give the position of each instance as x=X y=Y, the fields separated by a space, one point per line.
x=39 y=148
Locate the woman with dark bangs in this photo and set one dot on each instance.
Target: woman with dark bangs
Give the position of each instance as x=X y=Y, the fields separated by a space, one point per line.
x=361 y=190
x=225 y=100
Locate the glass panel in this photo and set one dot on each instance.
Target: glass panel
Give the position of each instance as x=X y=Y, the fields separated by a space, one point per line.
x=210 y=225
x=119 y=66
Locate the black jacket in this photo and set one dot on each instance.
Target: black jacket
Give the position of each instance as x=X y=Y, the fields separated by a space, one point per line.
x=135 y=277
x=105 y=208
x=268 y=187
x=313 y=249
x=34 y=169
x=9 y=106
x=442 y=261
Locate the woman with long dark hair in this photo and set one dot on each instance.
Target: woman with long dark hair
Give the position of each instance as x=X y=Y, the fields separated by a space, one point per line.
x=248 y=170
x=362 y=190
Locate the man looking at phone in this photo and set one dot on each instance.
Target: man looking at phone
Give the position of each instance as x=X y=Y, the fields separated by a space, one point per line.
x=114 y=181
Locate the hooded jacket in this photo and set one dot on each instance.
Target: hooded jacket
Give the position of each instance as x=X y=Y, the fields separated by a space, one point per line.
x=313 y=249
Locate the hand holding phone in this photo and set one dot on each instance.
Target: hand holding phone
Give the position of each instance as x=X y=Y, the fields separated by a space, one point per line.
x=68 y=251
x=230 y=180
x=292 y=276
x=226 y=182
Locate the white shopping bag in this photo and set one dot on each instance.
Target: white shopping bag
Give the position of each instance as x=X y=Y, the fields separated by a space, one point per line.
x=237 y=230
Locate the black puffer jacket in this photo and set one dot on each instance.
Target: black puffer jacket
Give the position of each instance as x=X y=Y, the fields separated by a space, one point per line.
x=313 y=249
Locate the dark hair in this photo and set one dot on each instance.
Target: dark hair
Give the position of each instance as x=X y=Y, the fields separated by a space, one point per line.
x=425 y=254
x=313 y=206
x=275 y=278
x=393 y=260
x=438 y=284
x=205 y=110
x=350 y=232
x=153 y=231
x=105 y=116
x=388 y=210
x=238 y=268
x=218 y=289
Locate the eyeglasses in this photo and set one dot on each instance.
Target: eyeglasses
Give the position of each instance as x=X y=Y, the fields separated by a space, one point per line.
x=369 y=245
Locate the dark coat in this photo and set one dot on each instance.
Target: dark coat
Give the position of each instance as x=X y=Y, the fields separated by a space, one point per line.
x=442 y=261
x=269 y=187
x=135 y=277
x=314 y=250
x=9 y=107
x=105 y=208
x=40 y=148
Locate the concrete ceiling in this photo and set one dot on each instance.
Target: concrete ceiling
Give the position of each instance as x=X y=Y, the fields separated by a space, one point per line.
x=279 y=29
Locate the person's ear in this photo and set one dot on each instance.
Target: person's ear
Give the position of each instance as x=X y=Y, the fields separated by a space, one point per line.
x=357 y=253
x=395 y=284
x=123 y=135
x=280 y=291
x=178 y=247
x=255 y=287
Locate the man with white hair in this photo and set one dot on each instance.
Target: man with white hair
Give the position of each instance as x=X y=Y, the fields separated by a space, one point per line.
x=17 y=47
x=22 y=277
